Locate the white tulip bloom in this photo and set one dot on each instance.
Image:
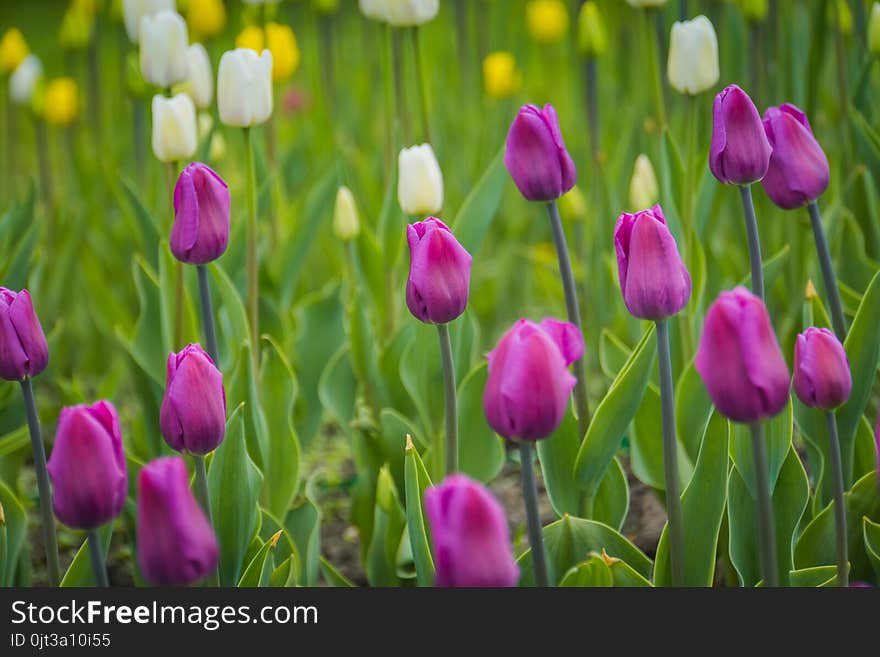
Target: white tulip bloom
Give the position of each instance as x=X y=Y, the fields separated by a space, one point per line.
x=693 y=56
x=244 y=87
x=346 y=223
x=419 y=181
x=175 y=136
x=134 y=10
x=199 y=83
x=163 y=44
x=409 y=13
x=24 y=79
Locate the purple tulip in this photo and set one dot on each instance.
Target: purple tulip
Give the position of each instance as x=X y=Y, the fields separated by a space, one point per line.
x=821 y=369
x=653 y=278
x=193 y=413
x=798 y=172
x=529 y=383
x=739 y=358
x=201 y=215
x=175 y=543
x=535 y=155
x=87 y=466
x=740 y=152
x=439 y=272
x=471 y=540
x=23 y=349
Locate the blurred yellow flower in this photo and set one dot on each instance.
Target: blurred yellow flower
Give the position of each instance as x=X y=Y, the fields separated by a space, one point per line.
x=592 y=38
x=206 y=18
x=547 y=20
x=326 y=6
x=77 y=27
x=754 y=10
x=61 y=101
x=280 y=41
x=13 y=50
x=500 y=75
x=251 y=37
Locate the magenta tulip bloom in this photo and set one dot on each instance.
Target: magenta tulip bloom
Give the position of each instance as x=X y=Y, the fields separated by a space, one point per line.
x=193 y=413
x=653 y=278
x=87 y=466
x=471 y=540
x=535 y=155
x=798 y=173
x=439 y=272
x=740 y=151
x=175 y=543
x=529 y=383
x=23 y=349
x=739 y=358
x=821 y=369
x=201 y=215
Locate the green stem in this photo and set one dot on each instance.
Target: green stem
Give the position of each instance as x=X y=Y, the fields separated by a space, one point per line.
x=689 y=168
x=253 y=281
x=828 y=276
x=208 y=314
x=839 y=505
x=449 y=389
x=574 y=315
x=652 y=39
x=592 y=97
x=754 y=241
x=171 y=170
x=766 y=524
x=204 y=497
x=50 y=539
x=533 y=520
x=670 y=457
x=96 y=553
x=422 y=85
x=44 y=168
x=399 y=90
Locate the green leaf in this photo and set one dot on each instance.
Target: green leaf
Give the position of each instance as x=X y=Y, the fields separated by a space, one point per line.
x=474 y=218
x=614 y=414
x=625 y=576
x=567 y=541
x=232 y=322
x=480 y=450
x=422 y=375
x=394 y=428
x=234 y=483
x=388 y=530
x=702 y=507
x=556 y=454
x=416 y=481
x=816 y=545
x=333 y=577
x=336 y=389
x=692 y=410
x=304 y=524
x=871 y=534
x=284 y=576
x=612 y=497
x=789 y=501
x=259 y=570
x=772 y=266
x=593 y=572
x=148 y=230
x=646 y=444
x=16 y=530
x=80 y=573
x=777 y=436
x=812 y=577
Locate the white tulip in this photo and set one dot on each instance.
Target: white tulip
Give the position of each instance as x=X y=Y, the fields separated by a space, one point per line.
x=164 y=40
x=376 y=10
x=174 y=128
x=409 y=13
x=346 y=223
x=134 y=10
x=693 y=56
x=244 y=87
x=419 y=181
x=199 y=83
x=24 y=79
x=643 y=187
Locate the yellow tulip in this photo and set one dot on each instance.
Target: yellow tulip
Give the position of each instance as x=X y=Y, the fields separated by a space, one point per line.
x=251 y=37
x=61 y=101
x=206 y=18
x=547 y=20
x=500 y=75
x=13 y=50
x=281 y=42
x=592 y=38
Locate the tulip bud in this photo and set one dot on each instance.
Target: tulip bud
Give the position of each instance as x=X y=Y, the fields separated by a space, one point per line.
x=193 y=412
x=200 y=232
x=281 y=42
x=410 y=13
x=644 y=191
x=535 y=155
x=693 y=56
x=471 y=539
x=439 y=272
x=754 y=10
x=529 y=384
x=206 y=18
x=244 y=87
x=62 y=101
x=739 y=359
x=419 y=181
x=592 y=36
x=174 y=128
x=13 y=50
x=798 y=173
x=376 y=10
x=646 y=3
x=573 y=205
x=23 y=349
x=199 y=84
x=839 y=15
x=346 y=223
x=874 y=29
x=77 y=27
x=326 y=6
x=821 y=369
x=134 y=10
x=175 y=543
x=23 y=82
x=740 y=152
x=500 y=75
x=653 y=278
x=87 y=466
x=547 y=20
x=163 y=43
